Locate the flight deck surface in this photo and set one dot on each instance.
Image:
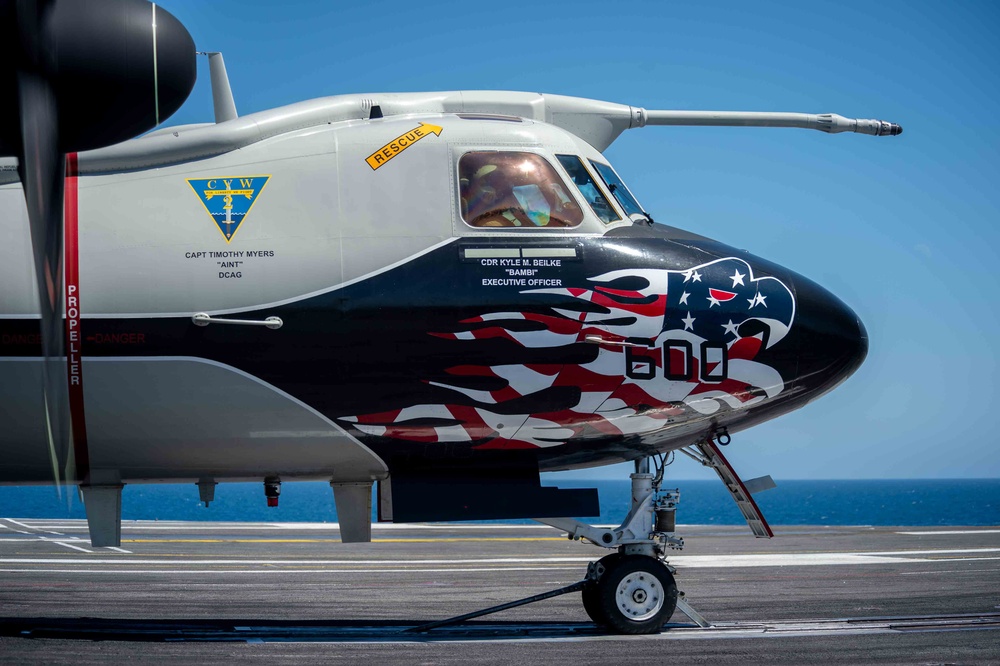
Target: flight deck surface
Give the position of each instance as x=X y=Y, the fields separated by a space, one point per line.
x=181 y=591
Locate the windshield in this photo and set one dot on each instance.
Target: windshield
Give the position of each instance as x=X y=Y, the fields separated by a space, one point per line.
x=585 y=183
x=514 y=189
x=618 y=189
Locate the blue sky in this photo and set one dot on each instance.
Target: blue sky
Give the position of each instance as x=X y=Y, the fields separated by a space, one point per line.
x=904 y=229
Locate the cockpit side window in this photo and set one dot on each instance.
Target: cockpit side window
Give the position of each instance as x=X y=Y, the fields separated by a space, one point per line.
x=588 y=188
x=514 y=189
x=617 y=188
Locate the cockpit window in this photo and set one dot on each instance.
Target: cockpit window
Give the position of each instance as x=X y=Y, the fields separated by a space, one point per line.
x=585 y=183
x=618 y=190
x=514 y=189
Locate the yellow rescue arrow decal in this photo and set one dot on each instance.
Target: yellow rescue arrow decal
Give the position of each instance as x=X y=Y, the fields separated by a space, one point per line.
x=401 y=143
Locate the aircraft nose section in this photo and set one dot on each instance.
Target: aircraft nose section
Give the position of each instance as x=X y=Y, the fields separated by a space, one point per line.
x=833 y=342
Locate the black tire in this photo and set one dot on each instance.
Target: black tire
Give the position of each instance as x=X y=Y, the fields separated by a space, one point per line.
x=589 y=595
x=590 y=604
x=636 y=595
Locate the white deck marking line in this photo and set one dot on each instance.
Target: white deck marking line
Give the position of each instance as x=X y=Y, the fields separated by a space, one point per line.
x=682 y=561
x=41 y=537
x=19 y=524
x=36 y=539
x=936 y=551
x=961 y=559
x=924 y=573
x=69 y=545
x=951 y=532
x=120 y=550
x=13 y=529
x=301 y=562
x=820 y=559
x=11 y=520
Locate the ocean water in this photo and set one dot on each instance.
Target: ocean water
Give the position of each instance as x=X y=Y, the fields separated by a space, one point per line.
x=881 y=502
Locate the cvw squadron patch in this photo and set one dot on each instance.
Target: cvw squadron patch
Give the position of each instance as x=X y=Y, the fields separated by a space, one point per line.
x=228 y=199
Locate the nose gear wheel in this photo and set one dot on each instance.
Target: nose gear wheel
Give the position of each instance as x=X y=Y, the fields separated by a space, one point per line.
x=639 y=596
x=636 y=594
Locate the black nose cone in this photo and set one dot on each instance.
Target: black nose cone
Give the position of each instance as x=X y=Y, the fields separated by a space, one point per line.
x=832 y=342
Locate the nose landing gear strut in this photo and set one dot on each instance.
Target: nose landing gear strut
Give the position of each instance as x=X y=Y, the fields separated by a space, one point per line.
x=631 y=591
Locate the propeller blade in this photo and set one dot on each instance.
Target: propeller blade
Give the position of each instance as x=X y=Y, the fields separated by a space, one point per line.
x=136 y=65
x=42 y=168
